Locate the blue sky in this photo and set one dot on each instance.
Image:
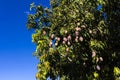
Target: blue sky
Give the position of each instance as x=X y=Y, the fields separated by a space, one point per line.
x=16 y=48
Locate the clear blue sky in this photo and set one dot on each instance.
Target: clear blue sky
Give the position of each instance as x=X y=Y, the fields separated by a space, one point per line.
x=16 y=48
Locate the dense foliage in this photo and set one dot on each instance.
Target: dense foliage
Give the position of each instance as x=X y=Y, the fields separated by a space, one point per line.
x=77 y=39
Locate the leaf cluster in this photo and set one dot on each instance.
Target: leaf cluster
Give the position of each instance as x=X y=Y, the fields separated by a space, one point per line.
x=77 y=39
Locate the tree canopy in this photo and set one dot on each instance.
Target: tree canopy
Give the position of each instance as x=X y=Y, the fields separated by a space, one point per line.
x=77 y=39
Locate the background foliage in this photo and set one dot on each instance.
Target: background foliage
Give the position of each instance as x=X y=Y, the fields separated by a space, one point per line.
x=77 y=39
